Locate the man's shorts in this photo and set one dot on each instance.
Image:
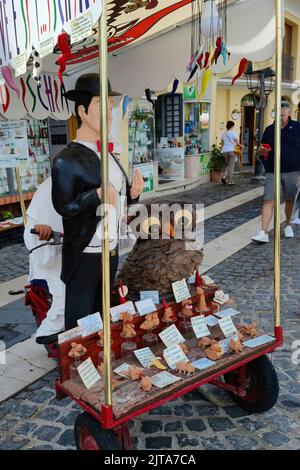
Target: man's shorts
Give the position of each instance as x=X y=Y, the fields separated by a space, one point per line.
x=290 y=183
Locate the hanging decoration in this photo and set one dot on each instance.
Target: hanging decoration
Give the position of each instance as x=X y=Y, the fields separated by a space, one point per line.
x=37 y=67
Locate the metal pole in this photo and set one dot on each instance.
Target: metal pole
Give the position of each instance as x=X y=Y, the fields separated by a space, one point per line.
x=277 y=168
x=21 y=196
x=103 y=72
x=259 y=168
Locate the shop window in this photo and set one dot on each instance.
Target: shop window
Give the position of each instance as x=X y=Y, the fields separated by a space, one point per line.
x=141 y=132
x=196 y=127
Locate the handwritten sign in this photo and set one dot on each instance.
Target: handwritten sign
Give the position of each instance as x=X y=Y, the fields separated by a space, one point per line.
x=88 y=373
x=70 y=334
x=181 y=290
x=200 y=326
x=20 y=64
x=228 y=312
x=150 y=294
x=163 y=379
x=121 y=369
x=171 y=336
x=144 y=356
x=145 y=306
x=260 y=340
x=91 y=324
x=227 y=326
x=46 y=47
x=174 y=354
x=203 y=363
x=211 y=320
x=115 y=312
x=81 y=28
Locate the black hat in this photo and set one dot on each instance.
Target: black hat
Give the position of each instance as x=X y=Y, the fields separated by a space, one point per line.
x=89 y=84
x=285 y=104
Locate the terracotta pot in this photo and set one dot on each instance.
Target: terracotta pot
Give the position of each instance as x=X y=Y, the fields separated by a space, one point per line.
x=215 y=176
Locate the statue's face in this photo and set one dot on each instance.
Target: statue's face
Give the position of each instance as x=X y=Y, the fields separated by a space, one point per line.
x=91 y=119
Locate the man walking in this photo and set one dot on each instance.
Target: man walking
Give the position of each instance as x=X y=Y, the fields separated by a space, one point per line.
x=290 y=171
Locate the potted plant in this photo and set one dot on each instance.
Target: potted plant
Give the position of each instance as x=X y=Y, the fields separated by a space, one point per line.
x=217 y=164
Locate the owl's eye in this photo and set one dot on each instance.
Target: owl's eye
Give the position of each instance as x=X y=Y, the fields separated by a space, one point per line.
x=183 y=218
x=151 y=226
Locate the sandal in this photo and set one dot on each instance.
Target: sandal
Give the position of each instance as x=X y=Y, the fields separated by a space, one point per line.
x=224 y=181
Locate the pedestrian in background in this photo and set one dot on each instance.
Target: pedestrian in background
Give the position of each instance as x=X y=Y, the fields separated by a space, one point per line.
x=229 y=142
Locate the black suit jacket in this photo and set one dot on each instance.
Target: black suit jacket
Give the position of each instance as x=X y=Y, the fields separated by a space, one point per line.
x=76 y=175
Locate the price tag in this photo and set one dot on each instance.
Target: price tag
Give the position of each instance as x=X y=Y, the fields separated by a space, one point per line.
x=144 y=356
x=174 y=354
x=171 y=336
x=70 y=334
x=20 y=64
x=150 y=294
x=228 y=312
x=81 y=27
x=163 y=379
x=181 y=291
x=121 y=369
x=200 y=326
x=115 y=312
x=211 y=320
x=46 y=47
x=203 y=363
x=227 y=326
x=91 y=324
x=225 y=343
x=253 y=343
x=88 y=373
x=145 y=306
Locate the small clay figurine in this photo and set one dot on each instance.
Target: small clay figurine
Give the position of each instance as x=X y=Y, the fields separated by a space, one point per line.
x=249 y=330
x=123 y=291
x=134 y=373
x=215 y=351
x=235 y=346
x=201 y=307
x=169 y=315
x=184 y=348
x=220 y=297
x=198 y=280
x=204 y=342
x=101 y=337
x=128 y=327
x=146 y=384
x=151 y=321
x=187 y=308
x=76 y=350
x=156 y=363
x=185 y=368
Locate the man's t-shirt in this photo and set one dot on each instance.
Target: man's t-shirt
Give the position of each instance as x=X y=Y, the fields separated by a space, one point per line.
x=290 y=147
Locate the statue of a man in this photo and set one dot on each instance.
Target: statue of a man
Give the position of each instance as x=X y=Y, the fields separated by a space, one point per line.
x=76 y=195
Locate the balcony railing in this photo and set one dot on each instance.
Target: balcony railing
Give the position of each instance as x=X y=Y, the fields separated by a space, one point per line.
x=288 y=68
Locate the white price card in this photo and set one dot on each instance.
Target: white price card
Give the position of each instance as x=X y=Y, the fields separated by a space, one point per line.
x=144 y=356
x=228 y=312
x=227 y=326
x=20 y=65
x=181 y=290
x=225 y=343
x=174 y=354
x=203 y=363
x=163 y=379
x=211 y=320
x=150 y=294
x=70 y=334
x=90 y=324
x=88 y=373
x=171 y=336
x=46 y=47
x=81 y=27
x=121 y=369
x=253 y=343
x=200 y=326
x=145 y=306
x=115 y=312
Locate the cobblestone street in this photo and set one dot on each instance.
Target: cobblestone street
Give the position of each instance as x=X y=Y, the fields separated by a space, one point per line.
x=34 y=419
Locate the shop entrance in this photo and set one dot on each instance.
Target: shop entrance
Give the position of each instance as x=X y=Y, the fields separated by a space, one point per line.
x=249 y=122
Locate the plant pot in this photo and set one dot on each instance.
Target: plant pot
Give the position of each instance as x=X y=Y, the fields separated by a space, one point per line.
x=215 y=176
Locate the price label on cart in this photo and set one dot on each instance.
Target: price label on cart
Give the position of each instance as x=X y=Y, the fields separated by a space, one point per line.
x=144 y=356
x=145 y=306
x=199 y=326
x=181 y=290
x=225 y=343
x=228 y=312
x=211 y=320
x=203 y=363
x=173 y=355
x=70 y=334
x=150 y=294
x=163 y=379
x=115 y=312
x=227 y=326
x=171 y=336
x=122 y=369
x=91 y=324
x=88 y=373
x=253 y=343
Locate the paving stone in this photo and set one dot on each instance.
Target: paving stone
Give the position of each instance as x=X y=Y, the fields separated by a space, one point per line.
x=70 y=418
x=275 y=438
x=49 y=414
x=161 y=410
x=41 y=447
x=150 y=427
x=241 y=442
x=41 y=396
x=220 y=424
x=288 y=401
x=252 y=425
x=185 y=441
x=183 y=410
x=46 y=433
x=26 y=428
x=212 y=443
x=24 y=395
x=23 y=411
x=195 y=425
x=293 y=388
x=207 y=410
x=162 y=442
x=67 y=439
x=13 y=444
x=173 y=426
x=37 y=385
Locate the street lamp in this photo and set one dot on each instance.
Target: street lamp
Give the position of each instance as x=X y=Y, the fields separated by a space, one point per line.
x=261 y=83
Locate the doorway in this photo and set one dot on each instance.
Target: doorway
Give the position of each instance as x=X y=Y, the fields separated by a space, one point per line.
x=249 y=131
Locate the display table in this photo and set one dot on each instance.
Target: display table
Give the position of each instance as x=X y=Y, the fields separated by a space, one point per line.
x=171 y=163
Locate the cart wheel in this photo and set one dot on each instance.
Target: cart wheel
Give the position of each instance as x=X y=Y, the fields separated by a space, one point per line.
x=262 y=388
x=89 y=435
